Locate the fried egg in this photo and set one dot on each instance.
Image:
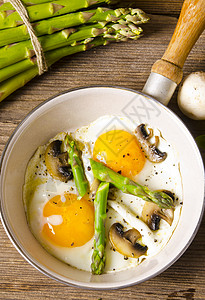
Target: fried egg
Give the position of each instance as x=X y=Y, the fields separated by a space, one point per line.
x=64 y=225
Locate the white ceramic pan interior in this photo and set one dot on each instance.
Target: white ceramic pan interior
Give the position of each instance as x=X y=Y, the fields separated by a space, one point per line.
x=56 y=115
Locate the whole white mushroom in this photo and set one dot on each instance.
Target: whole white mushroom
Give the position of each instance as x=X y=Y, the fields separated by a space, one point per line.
x=191 y=96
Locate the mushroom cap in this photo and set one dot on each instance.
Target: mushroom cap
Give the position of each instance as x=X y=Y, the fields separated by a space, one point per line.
x=191 y=96
x=57 y=162
x=126 y=242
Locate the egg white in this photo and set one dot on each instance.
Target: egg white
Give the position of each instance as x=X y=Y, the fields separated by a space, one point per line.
x=79 y=256
x=126 y=209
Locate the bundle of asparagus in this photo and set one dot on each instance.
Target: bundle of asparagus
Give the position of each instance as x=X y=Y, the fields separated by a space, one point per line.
x=64 y=27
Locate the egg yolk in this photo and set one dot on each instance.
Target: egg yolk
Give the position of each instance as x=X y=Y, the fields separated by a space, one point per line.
x=70 y=221
x=120 y=151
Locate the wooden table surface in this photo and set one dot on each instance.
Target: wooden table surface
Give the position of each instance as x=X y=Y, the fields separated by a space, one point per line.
x=127 y=65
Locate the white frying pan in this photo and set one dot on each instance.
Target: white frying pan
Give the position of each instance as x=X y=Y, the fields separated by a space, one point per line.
x=82 y=106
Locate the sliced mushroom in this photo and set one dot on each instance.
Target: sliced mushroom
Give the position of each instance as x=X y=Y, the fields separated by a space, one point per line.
x=152 y=214
x=151 y=150
x=126 y=242
x=57 y=162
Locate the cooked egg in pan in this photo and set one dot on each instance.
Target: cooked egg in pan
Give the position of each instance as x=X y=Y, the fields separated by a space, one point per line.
x=64 y=224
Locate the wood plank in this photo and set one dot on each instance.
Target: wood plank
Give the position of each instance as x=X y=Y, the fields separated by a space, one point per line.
x=159 y=7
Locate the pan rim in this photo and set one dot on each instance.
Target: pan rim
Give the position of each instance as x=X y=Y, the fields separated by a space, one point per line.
x=24 y=253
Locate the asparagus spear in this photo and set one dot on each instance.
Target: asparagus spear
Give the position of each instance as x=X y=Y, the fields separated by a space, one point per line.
x=20 y=33
x=44 y=11
x=100 y=203
x=16 y=52
x=17 y=68
x=76 y=165
x=103 y=173
x=8 y=6
x=12 y=84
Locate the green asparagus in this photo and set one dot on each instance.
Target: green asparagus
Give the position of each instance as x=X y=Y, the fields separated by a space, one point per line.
x=49 y=26
x=126 y=185
x=30 y=67
x=100 y=204
x=45 y=10
x=12 y=84
x=17 y=68
x=8 y=6
x=16 y=52
x=77 y=166
x=23 y=65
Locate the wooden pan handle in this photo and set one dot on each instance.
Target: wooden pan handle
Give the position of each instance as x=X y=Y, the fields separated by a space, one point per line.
x=190 y=25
